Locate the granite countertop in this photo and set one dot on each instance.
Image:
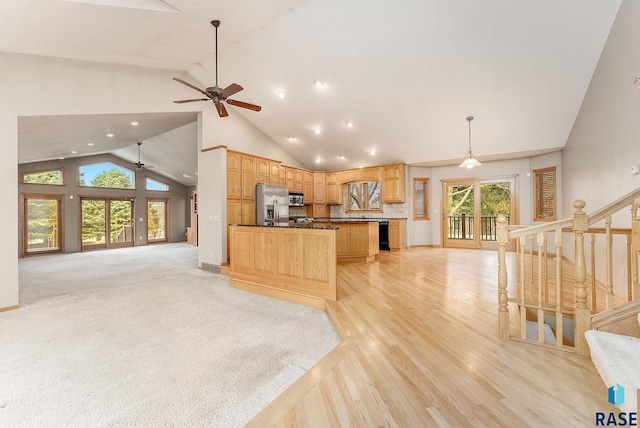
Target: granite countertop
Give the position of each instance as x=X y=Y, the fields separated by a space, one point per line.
x=293 y=226
x=353 y=219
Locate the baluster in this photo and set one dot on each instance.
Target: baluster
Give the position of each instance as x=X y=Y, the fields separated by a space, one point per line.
x=503 y=309
x=545 y=269
x=531 y=270
x=609 y=255
x=629 y=277
x=594 y=300
x=523 y=308
x=635 y=238
x=582 y=313
x=540 y=242
x=559 y=286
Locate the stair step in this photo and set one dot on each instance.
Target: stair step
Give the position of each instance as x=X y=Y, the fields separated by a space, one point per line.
x=616 y=359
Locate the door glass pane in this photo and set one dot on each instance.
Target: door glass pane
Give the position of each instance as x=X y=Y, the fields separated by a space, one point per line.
x=460 y=202
x=42 y=225
x=94 y=223
x=120 y=221
x=156 y=220
x=495 y=198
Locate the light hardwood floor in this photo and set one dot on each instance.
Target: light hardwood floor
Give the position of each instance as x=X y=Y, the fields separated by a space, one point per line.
x=420 y=348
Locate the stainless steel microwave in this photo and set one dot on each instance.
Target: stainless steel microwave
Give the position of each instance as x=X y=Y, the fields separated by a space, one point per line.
x=296 y=200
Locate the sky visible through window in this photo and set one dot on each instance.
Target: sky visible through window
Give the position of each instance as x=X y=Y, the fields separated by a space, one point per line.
x=89 y=172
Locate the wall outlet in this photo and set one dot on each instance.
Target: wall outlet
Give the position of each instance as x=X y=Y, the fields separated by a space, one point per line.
x=635 y=169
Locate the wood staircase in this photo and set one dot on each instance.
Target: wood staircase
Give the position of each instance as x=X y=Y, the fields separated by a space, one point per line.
x=571 y=297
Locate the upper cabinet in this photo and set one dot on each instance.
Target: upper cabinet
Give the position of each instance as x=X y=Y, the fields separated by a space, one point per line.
x=262 y=170
x=274 y=172
x=307 y=186
x=290 y=178
x=234 y=175
x=298 y=185
x=319 y=188
x=334 y=189
x=393 y=183
x=248 y=177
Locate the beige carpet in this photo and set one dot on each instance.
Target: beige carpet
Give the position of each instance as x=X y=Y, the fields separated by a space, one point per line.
x=141 y=337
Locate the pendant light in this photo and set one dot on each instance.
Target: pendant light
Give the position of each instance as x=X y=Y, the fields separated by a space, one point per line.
x=469 y=160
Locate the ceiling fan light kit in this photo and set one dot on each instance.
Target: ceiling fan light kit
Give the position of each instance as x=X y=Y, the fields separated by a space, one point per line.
x=139 y=165
x=216 y=94
x=469 y=160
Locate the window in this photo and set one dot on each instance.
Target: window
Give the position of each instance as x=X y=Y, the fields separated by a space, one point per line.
x=544 y=194
x=46 y=177
x=421 y=199
x=156 y=185
x=157 y=220
x=106 y=174
x=364 y=196
x=42 y=223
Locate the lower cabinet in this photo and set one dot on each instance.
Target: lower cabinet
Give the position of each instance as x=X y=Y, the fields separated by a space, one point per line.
x=397 y=234
x=356 y=241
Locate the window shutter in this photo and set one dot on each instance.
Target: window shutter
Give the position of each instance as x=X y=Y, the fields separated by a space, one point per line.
x=545 y=194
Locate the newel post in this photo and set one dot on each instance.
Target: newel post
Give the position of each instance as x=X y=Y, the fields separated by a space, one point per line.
x=635 y=247
x=582 y=312
x=502 y=235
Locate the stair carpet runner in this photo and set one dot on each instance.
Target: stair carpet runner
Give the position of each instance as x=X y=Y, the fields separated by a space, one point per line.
x=617 y=359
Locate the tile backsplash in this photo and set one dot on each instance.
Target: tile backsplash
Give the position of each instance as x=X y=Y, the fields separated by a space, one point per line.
x=388 y=211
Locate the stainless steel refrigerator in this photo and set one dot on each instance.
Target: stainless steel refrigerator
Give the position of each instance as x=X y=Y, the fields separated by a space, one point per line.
x=272 y=205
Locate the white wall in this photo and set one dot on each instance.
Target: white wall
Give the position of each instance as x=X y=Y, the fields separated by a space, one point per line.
x=605 y=140
x=9 y=215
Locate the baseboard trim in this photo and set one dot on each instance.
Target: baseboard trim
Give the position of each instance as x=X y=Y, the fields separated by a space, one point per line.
x=425 y=246
x=210 y=267
x=9 y=308
x=290 y=296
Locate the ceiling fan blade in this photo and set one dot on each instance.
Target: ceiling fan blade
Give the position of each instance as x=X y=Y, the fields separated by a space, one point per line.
x=190 y=85
x=222 y=111
x=191 y=101
x=244 y=105
x=233 y=88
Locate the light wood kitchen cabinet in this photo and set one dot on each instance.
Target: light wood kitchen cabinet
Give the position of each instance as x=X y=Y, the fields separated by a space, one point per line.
x=356 y=241
x=283 y=175
x=348 y=176
x=298 y=181
x=319 y=188
x=262 y=170
x=371 y=173
x=274 y=172
x=397 y=234
x=234 y=175
x=393 y=183
x=290 y=179
x=307 y=186
x=334 y=189
x=248 y=177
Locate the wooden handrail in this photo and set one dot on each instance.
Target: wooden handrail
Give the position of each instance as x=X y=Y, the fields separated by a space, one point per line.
x=541 y=228
x=614 y=207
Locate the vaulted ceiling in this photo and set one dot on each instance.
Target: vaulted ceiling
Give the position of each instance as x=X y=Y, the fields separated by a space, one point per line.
x=405 y=74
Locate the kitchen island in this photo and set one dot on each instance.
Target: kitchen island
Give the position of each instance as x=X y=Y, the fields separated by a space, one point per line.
x=297 y=264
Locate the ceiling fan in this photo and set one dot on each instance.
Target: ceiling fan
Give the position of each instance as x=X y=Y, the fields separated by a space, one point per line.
x=216 y=94
x=139 y=165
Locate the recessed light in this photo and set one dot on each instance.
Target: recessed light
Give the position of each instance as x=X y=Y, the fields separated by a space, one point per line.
x=349 y=124
x=372 y=152
x=89 y=144
x=318 y=160
x=135 y=123
x=342 y=157
x=316 y=131
x=186 y=175
x=110 y=135
x=290 y=137
x=281 y=94
x=73 y=152
x=196 y=173
x=318 y=82
x=60 y=157
x=360 y=166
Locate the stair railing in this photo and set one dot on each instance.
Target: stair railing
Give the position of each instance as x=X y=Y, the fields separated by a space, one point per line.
x=539 y=293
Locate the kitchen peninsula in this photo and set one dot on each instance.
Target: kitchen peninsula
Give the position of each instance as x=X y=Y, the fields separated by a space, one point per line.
x=291 y=263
